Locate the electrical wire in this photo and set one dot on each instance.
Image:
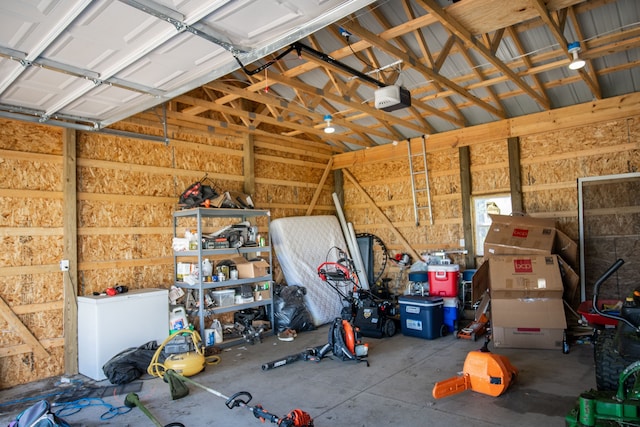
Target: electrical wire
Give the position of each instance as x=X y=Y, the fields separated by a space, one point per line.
x=356 y=55
x=73 y=407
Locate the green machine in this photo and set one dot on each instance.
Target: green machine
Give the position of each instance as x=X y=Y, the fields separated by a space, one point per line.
x=603 y=409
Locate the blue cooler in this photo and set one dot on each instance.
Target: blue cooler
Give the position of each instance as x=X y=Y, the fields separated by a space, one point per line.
x=422 y=317
x=450 y=313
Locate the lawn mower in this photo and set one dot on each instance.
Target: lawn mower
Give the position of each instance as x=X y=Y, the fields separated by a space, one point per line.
x=616 y=348
x=374 y=316
x=609 y=408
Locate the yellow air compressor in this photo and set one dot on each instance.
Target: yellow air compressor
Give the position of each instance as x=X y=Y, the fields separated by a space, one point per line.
x=187 y=358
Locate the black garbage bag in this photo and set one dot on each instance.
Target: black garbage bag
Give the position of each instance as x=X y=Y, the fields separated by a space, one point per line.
x=290 y=311
x=130 y=364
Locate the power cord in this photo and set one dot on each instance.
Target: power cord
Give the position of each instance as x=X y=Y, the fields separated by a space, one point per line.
x=73 y=407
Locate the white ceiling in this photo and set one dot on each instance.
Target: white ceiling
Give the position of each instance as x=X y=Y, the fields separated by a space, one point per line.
x=92 y=63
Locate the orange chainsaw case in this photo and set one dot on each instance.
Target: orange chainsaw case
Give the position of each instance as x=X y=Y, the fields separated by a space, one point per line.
x=483 y=372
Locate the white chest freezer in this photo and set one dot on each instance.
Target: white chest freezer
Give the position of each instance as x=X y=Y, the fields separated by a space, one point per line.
x=109 y=324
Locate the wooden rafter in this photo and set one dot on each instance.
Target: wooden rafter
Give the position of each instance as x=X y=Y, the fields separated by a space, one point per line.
x=488 y=59
x=384 y=45
x=456 y=28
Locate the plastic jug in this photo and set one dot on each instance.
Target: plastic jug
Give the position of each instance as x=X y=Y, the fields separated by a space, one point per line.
x=178 y=319
x=217 y=331
x=207 y=269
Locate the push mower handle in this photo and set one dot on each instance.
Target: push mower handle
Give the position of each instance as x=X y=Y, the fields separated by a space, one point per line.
x=596 y=289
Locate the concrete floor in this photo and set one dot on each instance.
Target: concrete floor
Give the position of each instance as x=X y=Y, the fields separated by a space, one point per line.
x=395 y=390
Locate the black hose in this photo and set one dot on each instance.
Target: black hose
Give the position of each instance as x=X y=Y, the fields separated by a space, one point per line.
x=385 y=254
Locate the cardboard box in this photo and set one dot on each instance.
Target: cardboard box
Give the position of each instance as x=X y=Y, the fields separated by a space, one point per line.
x=538 y=338
x=571 y=282
x=567 y=248
x=510 y=235
x=528 y=322
x=251 y=269
x=261 y=295
x=520 y=276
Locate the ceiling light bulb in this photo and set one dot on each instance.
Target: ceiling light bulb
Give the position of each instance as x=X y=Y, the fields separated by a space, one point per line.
x=576 y=63
x=328 y=128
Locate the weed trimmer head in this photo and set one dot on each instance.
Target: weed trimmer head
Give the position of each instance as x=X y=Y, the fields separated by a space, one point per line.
x=295 y=418
x=177 y=386
x=132 y=400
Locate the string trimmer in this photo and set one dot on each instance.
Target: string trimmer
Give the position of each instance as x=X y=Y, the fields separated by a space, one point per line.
x=132 y=400
x=295 y=418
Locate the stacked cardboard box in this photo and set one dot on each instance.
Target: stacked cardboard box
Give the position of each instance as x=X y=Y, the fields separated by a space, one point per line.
x=529 y=269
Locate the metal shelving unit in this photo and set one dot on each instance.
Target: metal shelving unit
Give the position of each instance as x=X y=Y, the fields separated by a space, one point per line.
x=194 y=218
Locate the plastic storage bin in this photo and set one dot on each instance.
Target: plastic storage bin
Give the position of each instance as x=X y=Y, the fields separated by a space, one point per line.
x=443 y=280
x=450 y=311
x=224 y=297
x=422 y=317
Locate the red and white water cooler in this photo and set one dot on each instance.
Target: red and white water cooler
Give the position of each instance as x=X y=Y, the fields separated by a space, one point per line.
x=443 y=279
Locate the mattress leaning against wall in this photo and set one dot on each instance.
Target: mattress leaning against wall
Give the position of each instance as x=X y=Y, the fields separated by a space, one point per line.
x=301 y=244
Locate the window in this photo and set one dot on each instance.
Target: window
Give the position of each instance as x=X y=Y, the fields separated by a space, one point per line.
x=482 y=207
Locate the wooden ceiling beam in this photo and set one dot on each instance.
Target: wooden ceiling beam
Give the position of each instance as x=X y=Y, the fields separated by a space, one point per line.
x=588 y=74
x=437 y=64
x=266 y=119
x=292 y=107
x=181 y=123
x=482 y=76
x=558 y=34
x=527 y=62
x=370 y=111
x=469 y=39
x=404 y=46
x=386 y=46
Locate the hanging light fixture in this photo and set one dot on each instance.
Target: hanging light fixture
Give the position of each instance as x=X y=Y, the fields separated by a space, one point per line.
x=577 y=62
x=328 y=128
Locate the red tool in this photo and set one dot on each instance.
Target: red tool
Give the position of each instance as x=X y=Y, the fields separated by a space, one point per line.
x=479 y=325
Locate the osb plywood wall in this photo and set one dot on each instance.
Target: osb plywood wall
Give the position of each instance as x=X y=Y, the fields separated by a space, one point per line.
x=127 y=190
x=30 y=281
x=389 y=185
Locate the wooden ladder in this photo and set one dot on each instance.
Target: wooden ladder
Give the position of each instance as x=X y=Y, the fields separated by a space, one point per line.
x=415 y=191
